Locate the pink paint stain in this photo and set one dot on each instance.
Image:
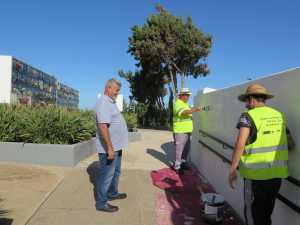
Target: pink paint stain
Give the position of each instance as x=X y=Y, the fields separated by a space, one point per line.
x=180 y=203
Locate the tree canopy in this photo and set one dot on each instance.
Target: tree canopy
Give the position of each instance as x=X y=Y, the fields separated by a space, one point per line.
x=166 y=48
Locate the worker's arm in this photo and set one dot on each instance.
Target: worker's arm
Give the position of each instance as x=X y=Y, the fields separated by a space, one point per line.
x=190 y=111
x=237 y=153
x=103 y=128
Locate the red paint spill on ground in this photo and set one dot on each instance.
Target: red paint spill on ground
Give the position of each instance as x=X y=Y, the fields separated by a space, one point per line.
x=181 y=203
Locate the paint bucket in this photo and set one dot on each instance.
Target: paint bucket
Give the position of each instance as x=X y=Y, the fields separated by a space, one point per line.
x=213 y=207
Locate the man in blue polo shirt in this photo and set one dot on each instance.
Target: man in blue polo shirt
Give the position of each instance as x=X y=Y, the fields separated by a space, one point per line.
x=111 y=139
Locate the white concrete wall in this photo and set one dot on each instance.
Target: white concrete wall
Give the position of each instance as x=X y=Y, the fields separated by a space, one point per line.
x=5 y=78
x=213 y=168
x=220 y=121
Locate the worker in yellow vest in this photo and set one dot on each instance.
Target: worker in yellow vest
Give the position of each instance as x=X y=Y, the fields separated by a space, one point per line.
x=182 y=129
x=261 y=153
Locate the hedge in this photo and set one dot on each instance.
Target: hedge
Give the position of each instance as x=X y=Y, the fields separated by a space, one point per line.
x=45 y=124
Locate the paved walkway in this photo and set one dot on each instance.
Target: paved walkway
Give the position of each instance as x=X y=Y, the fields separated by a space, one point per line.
x=65 y=196
x=23 y=188
x=72 y=203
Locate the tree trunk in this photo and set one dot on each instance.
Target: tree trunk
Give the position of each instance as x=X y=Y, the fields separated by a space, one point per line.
x=173 y=83
x=182 y=80
x=171 y=109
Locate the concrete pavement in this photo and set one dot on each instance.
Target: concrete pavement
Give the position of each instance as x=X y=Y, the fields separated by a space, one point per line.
x=64 y=196
x=23 y=188
x=73 y=201
x=40 y=195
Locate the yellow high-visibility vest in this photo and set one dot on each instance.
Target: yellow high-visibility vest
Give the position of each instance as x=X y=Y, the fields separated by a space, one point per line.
x=267 y=157
x=182 y=123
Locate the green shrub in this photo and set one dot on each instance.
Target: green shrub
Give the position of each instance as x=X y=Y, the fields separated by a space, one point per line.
x=47 y=124
x=131 y=120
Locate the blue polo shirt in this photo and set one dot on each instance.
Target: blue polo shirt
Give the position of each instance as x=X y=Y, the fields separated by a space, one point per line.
x=108 y=112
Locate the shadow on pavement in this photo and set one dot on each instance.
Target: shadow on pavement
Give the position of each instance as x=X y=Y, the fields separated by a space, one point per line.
x=159 y=156
x=93 y=171
x=167 y=157
x=6 y=221
x=3 y=220
x=169 y=149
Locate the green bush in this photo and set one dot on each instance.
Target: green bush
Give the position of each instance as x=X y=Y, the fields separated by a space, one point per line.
x=46 y=125
x=131 y=120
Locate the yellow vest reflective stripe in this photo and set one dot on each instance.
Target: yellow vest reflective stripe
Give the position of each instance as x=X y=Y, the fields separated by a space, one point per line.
x=276 y=163
x=181 y=119
x=267 y=157
x=266 y=149
x=181 y=123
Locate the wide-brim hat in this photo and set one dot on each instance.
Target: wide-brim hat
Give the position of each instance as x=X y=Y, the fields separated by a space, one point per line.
x=184 y=91
x=255 y=90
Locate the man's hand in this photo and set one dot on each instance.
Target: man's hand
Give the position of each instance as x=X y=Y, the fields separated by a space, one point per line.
x=103 y=127
x=232 y=178
x=195 y=109
x=190 y=111
x=110 y=154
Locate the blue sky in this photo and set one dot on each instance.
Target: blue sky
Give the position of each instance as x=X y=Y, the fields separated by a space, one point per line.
x=84 y=42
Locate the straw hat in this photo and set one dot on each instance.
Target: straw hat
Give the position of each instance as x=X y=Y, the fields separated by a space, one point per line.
x=255 y=89
x=185 y=91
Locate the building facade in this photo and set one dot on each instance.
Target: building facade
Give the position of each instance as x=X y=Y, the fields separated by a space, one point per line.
x=22 y=83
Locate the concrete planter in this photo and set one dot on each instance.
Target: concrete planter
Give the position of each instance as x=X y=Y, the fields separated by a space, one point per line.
x=52 y=154
x=134 y=136
x=46 y=154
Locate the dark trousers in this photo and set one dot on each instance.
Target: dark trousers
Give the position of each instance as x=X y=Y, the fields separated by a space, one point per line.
x=108 y=180
x=260 y=196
